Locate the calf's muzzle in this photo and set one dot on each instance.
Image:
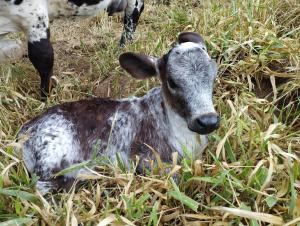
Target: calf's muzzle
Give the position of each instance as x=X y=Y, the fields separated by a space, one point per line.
x=205 y=123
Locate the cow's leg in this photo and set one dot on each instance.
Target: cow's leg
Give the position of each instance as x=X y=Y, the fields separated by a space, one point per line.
x=131 y=17
x=42 y=57
x=40 y=51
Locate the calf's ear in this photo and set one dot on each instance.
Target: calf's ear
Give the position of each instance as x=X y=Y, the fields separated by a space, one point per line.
x=190 y=37
x=140 y=66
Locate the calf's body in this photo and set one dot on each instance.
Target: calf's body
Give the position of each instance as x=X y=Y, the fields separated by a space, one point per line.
x=170 y=118
x=66 y=134
x=32 y=17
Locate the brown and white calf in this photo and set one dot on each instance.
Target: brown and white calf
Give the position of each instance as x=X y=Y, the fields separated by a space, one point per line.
x=168 y=118
x=32 y=17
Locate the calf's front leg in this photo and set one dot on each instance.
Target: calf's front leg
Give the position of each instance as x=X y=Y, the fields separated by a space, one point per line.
x=132 y=14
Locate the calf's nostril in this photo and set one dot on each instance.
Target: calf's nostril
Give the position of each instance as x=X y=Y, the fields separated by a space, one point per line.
x=213 y=121
x=200 y=122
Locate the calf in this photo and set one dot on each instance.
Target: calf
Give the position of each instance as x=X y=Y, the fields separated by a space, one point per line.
x=32 y=17
x=169 y=118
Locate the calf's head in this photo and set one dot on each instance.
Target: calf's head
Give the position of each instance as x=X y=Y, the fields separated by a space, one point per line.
x=187 y=74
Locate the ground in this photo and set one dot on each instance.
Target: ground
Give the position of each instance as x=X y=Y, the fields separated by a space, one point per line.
x=250 y=172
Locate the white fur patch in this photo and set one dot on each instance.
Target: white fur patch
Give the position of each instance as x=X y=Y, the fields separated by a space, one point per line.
x=52 y=144
x=7 y=25
x=65 y=8
x=187 y=45
x=121 y=136
x=10 y=50
x=90 y=10
x=182 y=137
x=30 y=16
x=191 y=45
x=44 y=186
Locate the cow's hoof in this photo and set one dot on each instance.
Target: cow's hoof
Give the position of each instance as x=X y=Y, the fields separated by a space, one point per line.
x=53 y=82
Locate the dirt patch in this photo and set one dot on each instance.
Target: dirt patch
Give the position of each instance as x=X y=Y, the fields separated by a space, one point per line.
x=79 y=44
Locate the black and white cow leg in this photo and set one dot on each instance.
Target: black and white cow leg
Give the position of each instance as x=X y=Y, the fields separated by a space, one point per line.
x=42 y=57
x=131 y=17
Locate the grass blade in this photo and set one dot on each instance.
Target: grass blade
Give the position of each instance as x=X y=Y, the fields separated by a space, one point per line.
x=20 y=194
x=16 y=221
x=153 y=216
x=251 y=215
x=185 y=200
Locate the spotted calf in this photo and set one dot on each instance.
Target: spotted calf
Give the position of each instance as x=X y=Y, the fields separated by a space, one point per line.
x=168 y=118
x=32 y=17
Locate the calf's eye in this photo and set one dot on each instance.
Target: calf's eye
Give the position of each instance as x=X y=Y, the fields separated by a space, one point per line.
x=172 y=84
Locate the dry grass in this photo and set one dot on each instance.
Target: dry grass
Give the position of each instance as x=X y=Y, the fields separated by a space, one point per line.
x=250 y=174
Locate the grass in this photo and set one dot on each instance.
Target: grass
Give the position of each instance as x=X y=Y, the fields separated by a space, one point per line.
x=250 y=172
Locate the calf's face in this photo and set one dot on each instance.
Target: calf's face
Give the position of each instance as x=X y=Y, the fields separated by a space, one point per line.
x=187 y=74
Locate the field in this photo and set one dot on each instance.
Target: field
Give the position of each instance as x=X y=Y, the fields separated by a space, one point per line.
x=250 y=172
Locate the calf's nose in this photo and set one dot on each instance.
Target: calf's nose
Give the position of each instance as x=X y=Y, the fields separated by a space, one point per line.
x=206 y=123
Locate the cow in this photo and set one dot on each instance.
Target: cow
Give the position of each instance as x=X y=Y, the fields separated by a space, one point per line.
x=32 y=17
x=176 y=115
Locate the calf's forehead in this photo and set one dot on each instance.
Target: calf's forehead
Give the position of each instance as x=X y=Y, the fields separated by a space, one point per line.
x=188 y=61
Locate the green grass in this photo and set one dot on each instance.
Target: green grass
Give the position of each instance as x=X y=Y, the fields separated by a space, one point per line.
x=252 y=162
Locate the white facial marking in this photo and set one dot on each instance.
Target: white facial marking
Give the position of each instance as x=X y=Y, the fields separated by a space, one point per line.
x=191 y=45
